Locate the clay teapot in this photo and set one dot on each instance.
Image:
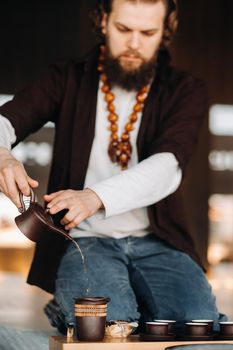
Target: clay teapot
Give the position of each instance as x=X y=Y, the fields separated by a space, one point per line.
x=35 y=222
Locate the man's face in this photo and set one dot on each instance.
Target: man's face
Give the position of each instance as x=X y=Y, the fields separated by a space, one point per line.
x=134 y=32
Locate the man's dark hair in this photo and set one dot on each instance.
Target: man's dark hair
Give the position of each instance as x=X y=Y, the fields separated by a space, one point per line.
x=170 y=25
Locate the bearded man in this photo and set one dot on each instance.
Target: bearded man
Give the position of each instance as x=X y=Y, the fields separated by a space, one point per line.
x=126 y=126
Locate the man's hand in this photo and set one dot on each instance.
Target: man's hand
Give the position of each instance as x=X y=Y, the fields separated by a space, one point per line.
x=80 y=205
x=13 y=177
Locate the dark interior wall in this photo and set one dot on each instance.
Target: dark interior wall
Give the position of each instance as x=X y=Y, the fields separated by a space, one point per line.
x=204 y=45
x=35 y=34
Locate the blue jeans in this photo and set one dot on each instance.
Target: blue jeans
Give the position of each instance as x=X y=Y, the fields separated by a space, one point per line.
x=145 y=278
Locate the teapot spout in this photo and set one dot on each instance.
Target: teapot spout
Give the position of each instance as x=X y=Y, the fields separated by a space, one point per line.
x=60 y=231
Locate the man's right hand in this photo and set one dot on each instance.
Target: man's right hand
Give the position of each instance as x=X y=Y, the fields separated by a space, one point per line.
x=13 y=177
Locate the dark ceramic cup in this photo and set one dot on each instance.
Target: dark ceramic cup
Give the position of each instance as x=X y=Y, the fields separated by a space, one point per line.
x=90 y=316
x=226 y=328
x=194 y=328
x=209 y=322
x=171 y=324
x=157 y=328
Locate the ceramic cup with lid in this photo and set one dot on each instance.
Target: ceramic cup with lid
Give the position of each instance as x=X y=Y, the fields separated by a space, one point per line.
x=90 y=317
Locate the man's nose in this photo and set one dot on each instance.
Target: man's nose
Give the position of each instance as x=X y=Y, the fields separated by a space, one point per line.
x=134 y=41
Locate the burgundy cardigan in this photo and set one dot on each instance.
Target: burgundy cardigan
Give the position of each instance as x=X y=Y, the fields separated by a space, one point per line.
x=67 y=95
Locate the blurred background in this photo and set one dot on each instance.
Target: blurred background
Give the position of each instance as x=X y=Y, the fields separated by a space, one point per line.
x=35 y=34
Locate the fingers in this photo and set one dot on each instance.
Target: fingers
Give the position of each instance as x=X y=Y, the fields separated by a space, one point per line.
x=80 y=205
x=51 y=196
x=67 y=200
x=72 y=219
x=14 y=182
x=56 y=202
x=9 y=188
x=24 y=182
x=75 y=222
x=13 y=178
x=33 y=183
x=61 y=203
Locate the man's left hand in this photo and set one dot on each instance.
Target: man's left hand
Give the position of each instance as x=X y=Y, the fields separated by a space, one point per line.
x=80 y=205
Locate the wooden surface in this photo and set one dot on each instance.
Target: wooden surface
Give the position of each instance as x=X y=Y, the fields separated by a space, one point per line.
x=131 y=343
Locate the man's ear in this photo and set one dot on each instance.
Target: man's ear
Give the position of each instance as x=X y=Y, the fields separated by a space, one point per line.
x=104 y=24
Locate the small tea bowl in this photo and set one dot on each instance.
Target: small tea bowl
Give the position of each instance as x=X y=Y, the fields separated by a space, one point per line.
x=226 y=328
x=157 y=328
x=171 y=324
x=209 y=322
x=194 y=328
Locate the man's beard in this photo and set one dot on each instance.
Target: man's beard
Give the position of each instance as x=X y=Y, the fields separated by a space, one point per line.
x=129 y=80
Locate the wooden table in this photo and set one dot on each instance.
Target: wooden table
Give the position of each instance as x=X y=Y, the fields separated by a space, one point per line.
x=130 y=343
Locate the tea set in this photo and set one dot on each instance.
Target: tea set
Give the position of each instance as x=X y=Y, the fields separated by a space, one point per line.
x=90 y=312
x=164 y=330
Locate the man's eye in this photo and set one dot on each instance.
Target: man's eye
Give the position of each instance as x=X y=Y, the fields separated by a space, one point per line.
x=123 y=30
x=148 y=33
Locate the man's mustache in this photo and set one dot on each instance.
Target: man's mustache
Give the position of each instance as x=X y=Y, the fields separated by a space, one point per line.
x=132 y=53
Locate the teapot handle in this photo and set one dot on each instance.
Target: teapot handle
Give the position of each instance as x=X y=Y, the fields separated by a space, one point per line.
x=24 y=202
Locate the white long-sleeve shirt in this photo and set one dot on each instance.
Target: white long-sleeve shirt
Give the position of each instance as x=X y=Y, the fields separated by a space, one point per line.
x=125 y=194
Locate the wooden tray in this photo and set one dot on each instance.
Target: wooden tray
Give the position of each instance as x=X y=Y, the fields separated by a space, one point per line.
x=130 y=343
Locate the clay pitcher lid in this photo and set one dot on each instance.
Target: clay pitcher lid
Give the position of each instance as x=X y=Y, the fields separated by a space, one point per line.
x=92 y=300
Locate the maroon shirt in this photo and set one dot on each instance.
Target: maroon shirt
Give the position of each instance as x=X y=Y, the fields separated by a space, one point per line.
x=67 y=95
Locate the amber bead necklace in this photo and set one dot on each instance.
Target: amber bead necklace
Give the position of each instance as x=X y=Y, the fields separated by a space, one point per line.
x=120 y=148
